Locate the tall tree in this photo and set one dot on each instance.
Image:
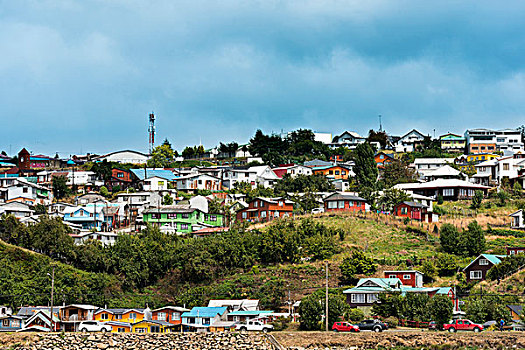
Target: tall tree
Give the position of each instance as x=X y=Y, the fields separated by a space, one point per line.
x=378 y=136
x=365 y=168
x=397 y=172
x=161 y=156
x=60 y=188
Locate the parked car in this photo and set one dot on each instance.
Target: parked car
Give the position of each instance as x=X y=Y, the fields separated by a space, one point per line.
x=344 y=327
x=254 y=325
x=432 y=326
x=372 y=325
x=94 y=326
x=318 y=210
x=462 y=325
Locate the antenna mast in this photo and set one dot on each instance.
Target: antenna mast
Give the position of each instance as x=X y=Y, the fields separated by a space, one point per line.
x=151 y=130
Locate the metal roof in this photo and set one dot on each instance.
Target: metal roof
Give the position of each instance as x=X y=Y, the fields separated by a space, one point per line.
x=142 y=173
x=204 y=311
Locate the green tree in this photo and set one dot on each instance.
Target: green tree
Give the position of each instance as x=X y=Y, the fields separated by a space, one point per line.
x=167 y=199
x=440 y=308
x=397 y=172
x=486 y=308
x=474 y=239
x=365 y=168
x=378 y=136
x=314 y=308
x=103 y=170
x=60 y=188
x=50 y=236
x=104 y=191
x=13 y=231
x=449 y=239
x=357 y=264
x=477 y=200
x=161 y=156
x=40 y=209
x=502 y=196
x=392 y=197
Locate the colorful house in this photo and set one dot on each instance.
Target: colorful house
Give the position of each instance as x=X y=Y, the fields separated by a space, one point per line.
x=201 y=319
x=338 y=172
x=122 y=315
x=414 y=211
x=120 y=327
x=41 y=322
x=246 y=315
x=72 y=315
x=181 y=219
x=265 y=209
x=382 y=159
x=478 y=268
x=410 y=278
x=119 y=177
x=11 y=323
x=170 y=314
x=89 y=217
x=344 y=202
x=151 y=326
x=452 y=143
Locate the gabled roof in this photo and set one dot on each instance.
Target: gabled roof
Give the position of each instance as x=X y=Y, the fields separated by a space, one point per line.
x=494 y=259
x=162 y=323
x=517 y=213
x=517 y=309
x=410 y=132
x=119 y=311
x=174 y=308
x=208 y=312
x=143 y=173
x=413 y=204
x=376 y=285
x=350 y=133
x=343 y=196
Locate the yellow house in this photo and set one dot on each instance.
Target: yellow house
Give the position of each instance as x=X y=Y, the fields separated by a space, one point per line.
x=481 y=157
x=120 y=327
x=150 y=326
x=121 y=315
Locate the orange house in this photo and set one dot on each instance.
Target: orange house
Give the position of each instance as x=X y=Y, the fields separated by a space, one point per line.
x=120 y=315
x=264 y=209
x=337 y=172
x=171 y=314
x=382 y=159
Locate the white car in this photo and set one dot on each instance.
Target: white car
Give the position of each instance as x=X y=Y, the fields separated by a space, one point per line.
x=317 y=210
x=94 y=326
x=254 y=325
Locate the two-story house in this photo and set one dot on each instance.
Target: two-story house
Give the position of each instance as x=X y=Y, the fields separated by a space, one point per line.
x=91 y=217
x=348 y=139
x=201 y=319
x=478 y=268
x=263 y=209
x=198 y=181
x=338 y=172
x=410 y=278
x=452 y=143
x=409 y=142
x=181 y=219
x=170 y=314
x=344 y=202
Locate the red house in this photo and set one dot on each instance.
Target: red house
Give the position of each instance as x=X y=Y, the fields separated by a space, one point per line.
x=410 y=278
x=344 y=202
x=171 y=314
x=119 y=177
x=515 y=250
x=382 y=159
x=414 y=211
x=264 y=209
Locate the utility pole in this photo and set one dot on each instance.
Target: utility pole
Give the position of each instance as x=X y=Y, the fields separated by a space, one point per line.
x=289 y=302
x=52 y=297
x=380 y=125
x=326 y=301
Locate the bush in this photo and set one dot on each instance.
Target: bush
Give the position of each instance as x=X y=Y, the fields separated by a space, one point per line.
x=440 y=199
x=104 y=191
x=356 y=315
x=477 y=200
x=357 y=264
x=406 y=221
x=281 y=323
x=392 y=322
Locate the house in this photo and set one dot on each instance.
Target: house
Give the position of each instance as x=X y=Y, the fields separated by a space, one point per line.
x=317 y=163
x=452 y=143
x=58 y=208
x=449 y=189
x=515 y=250
x=507 y=141
x=120 y=327
x=516 y=312
x=155 y=183
x=414 y=211
x=445 y=172
x=201 y=319
x=123 y=157
x=30 y=163
x=382 y=159
x=236 y=305
x=344 y=202
x=263 y=209
x=90 y=198
x=338 y=172
x=194 y=182
x=28 y=192
x=486 y=173
x=182 y=218
x=119 y=178
x=243 y=316
x=425 y=166
x=105 y=238
x=41 y=321
x=72 y=315
x=10 y=323
x=293 y=170
x=477 y=269
x=89 y=217
x=261 y=175
x=409 y=141
x=150 y=326
x=170 y=314
x=348 y=139
x=17 y=209
x=122 y=315
x=517 y=220
x=410 y=278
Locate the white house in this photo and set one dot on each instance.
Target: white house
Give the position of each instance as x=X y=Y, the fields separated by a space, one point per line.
x=28 y=192
x=517 y=219
x=18 y=209
x=106 y=238
x=124 y=157
x=155 y=183
x=409 y=141
x=261 y=175
x=293 y=170
x=194 y=182
x=348 y=139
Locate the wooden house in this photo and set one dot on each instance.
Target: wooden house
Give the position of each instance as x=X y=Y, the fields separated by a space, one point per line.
x=265 y=209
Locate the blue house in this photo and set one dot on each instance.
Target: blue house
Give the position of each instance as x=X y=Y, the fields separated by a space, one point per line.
x=11 y=323
x=89 y=217
x=203 y=319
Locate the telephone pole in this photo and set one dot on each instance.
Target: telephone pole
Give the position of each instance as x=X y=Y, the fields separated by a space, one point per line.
x=52 y=297
x=326 y=301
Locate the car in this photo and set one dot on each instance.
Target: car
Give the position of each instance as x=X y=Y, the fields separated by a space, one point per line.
x=254 y=325
x=372 y=325
x=317 y=210
x=432 y=326
x=344 y=327
x=462 y=325
x=94 y=326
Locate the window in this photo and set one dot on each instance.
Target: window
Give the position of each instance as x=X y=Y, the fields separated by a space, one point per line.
x=132 y=316
x=505 y=166
x=25 y=189
x=120 y=175
x=337 y=172
x=172 y=216
x=448 y=192
x=118 y=317
x=183 y=226
x=155 y=215
x=255 y=204
x=104 y=316
x=382 y=156
x=244 y=215
x=392 y=276
x=154 y=329
x=161 y=316
x=512 y=252
x=372 y=298
x=332 y=204
x=263 y=214
x=475 y=275
x=15 y=323
x=185 y=216
x=213 y=217
x=140 y=330
x=161 y=183
x=483 y=262
x=343 y=172
x=406 y=277
x=205 y=321
x=199 y=182
x=175 y=316
x=5 y=322
x=404 y=210
x=121 y=330
x=358 y=298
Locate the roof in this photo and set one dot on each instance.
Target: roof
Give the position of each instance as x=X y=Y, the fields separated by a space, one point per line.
x=445 y=170
x=517 y=309
x=494 y=259
x=143 y=173
x=344 y=196
x=249 y=312
x=413 y=204
x=245 y=304
x=174 y=308
x=403 y=271
x=440 y=183
x=162 y=323
x=119 y=311
x=205 y=312
x=170 y=209
x=381 y=285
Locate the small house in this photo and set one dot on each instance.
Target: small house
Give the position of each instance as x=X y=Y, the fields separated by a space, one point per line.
x=414 y=211
x=150 y=326
x=344 y=202
x=410 y=278
x=265 y=209
x=200 y=319
x=517 y=220
x=10 y=323
x=477 y=269
x=170 y=314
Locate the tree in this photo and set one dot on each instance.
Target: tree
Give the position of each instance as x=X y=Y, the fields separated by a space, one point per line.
x=13 y=231
x=103 y=170
x=449 y=239
x=167 y=199
x=161 y=156
x=392 y=197
x=502 y=196
x=188 y=152
x=228 y=149
x=50 y=236
x=40 y=209
x=440 y=308
x=365 y=168
x=397 y=172
x=104 y=191
x=477 y=200
x=474 y=239
x=60 y=188
x=166 y=143
x=357 y=264
x=378 y=136
x=312 y=308
x=303 y=183
x=487 y=308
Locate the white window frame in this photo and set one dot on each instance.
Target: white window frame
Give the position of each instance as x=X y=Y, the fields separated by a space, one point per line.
x=407 y=277
x=358 y=300
x=476 y=275
x=483 y=262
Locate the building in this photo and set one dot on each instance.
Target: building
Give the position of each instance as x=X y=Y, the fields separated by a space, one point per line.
x=344 y=202
x=89 y=217
x=336 y=172
x=122 y=315
x=194 y=182
x=414 y=211
x=10 y=323
x=263 y=209
x=410 y=278
x=507 y=141
x=261 y=175
x=409 y=142
x=244 y=316
x=293 y=170
x=71 y=316
x=105 y=238
x=425 y=166
x=17 y=209
x=28 y=192
x=449 y=189
x=515 y=250
x=201 y=319
x=516 y=312
x=170 y=314
x=119 y=178
x=348 y=139
x=123 y=157
x=236 y=304
x=181 y=219
x=452 y=143
x=477 y=269
x=382 y=159
x=517 y=220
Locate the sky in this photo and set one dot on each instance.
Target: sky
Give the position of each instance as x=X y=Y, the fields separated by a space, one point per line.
x=82 y=76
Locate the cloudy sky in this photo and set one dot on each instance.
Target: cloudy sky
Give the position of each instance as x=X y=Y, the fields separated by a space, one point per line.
x=82 y=76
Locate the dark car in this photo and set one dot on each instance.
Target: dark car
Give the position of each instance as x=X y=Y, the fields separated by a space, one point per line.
x=344 y=327
x=372 y=325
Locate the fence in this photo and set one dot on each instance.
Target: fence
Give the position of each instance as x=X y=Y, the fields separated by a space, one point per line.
x=413 y=324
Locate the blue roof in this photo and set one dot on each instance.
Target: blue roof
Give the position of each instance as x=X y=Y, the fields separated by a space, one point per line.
x=165 y=174
x=205 y=312
x=495 y=259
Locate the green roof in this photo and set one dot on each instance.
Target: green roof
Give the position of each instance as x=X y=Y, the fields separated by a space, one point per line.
x=495 y=259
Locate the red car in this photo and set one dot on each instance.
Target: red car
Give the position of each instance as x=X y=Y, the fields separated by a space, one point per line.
x=344 y=327
x=462 y=325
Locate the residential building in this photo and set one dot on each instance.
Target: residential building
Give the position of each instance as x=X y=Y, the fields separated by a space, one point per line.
x=348 y=139
x=515 y=250
x=170 y=314
x=40 y=321
x=517 y=220
x=344 y=202
x=201 y=319
x=150 y=326
x=261 y=175
x=265 y=209
x=449 y=189
x=120 y=327
x=424 y=166
x=293 y=170
x=71 y=316
x=10 y=323
x=382 y=159
x=317 y=163
x=324 y=137
x=486 y=173
x=181 y=219
x=28 y=192
x=119 y=177
x=31 y=163
x=155 y=183
x=516 y=312
x=445 y=172
x=452 y=143
x=18 y=209
x=411 y=278
x=123 y=157
x=409 y=142
x=414 y=211
x=236 y=304
x=90 y=198
x=507 y=141
x=89 y=217
x=194 y=182
x=478 y=268
x=105 y=238
x=337 y=172
x=122 y=315
x=244 y=316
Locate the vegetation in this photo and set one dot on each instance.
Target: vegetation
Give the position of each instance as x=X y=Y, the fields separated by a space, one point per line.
x=60 y=188
x=469 y=242
x=357 y=264
x=313 y=307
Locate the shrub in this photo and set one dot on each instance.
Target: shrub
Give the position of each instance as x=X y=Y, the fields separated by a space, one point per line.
x=440 y=199
x=392 y=322
x=406 y=221
x=356 y=315
x=281 y=323
x=477 y=200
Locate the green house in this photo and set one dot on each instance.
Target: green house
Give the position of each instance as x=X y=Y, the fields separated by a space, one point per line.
x=182 y=220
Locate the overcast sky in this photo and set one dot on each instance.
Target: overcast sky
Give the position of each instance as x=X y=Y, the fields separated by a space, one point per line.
x=82 y=76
